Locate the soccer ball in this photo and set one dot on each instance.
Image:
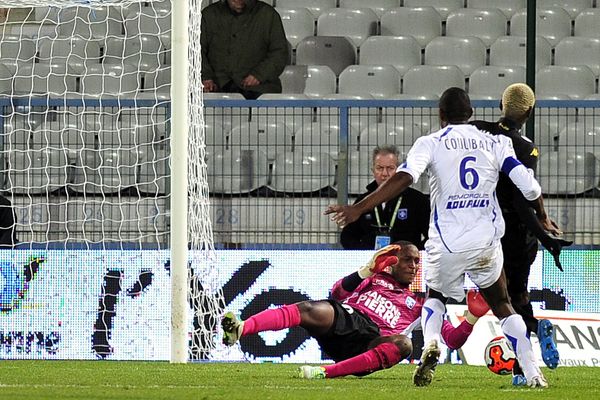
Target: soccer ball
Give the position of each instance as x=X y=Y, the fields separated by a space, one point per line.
x=500 y=357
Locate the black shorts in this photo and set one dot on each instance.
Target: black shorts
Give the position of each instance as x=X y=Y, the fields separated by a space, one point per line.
x=350 y=334
x=519 y=247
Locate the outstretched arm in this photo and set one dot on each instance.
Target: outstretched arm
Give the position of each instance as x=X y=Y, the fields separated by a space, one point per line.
x=344 y=215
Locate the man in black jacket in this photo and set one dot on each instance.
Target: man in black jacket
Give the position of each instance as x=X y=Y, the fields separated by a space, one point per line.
x=520 y=241
x=405 y=217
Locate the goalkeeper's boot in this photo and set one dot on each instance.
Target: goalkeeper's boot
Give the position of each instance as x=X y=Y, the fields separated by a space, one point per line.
x=518 y=377
x=546 y=337
x=310 y=372
x=232 y=328
x=423 y=374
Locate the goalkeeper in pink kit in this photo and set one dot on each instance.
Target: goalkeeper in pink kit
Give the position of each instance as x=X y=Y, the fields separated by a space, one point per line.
x=364 y=327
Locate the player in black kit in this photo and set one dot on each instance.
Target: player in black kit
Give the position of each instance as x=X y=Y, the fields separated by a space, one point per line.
x=520 y=241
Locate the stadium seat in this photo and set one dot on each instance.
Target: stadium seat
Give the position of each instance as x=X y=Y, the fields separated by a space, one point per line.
x=297 y=172
x=226 y=116
x=17 y=132
x=573 y=7
x=354 y=24
x=16 y=50
x=580 y=137
x=380 y=81
x=311 y=80
x=552 y=23
x=489 y=82
x=104 y=171
x=292 y=117
x=43 y=79
x=144 y=51
x=567 y=172
x=317 y=7
x=416 y=121
x=579 y=51
x=403 y=52
x=318 y=138
x=422 y=23
x=467 y=53
x=359 y=171
x=432 y=80
x=6 y=81
x=298 y=23
x=443 y=7
x=508 y=7
x=385 y=133
x=215 y=135
x=89 y=22
x=358 y=117
x=110 y=80
x=158 y=83
x=148 y=21
x=154 y=176
x=71 y=137
x=270 y=137
x=510 y=51
x=575 y=82
x=237 y=171
x=75 y=53
x=36 y=171
x=333 y=51
x=587 y=23
x=488 y=25
x=378 y=6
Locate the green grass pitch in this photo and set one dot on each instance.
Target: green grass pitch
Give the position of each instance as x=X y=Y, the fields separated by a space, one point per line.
x=160 y=380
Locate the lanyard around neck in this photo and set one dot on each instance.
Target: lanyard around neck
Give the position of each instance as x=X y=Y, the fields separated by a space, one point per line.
x=393 y=220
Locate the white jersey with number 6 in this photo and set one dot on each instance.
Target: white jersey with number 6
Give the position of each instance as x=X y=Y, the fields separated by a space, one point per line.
x=464 y=165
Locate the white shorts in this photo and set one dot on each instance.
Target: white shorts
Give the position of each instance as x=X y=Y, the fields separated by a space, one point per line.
x=445 y=272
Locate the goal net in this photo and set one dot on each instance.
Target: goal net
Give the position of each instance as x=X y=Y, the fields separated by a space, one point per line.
x=87 y=133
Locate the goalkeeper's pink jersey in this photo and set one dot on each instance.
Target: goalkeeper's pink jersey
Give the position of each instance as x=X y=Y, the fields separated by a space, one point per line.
x=391 y=306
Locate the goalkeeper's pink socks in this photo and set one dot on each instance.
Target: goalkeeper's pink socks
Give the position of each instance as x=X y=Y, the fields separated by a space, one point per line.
x=384 y=355
x=272 y=320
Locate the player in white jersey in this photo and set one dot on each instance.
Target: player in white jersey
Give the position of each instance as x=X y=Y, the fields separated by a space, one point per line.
x=465 y=226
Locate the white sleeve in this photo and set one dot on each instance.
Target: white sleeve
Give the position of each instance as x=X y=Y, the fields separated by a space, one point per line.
x=521 y=176
x=418 y=158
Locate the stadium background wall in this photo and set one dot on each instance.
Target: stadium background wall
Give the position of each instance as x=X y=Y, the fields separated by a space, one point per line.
x=76 y=304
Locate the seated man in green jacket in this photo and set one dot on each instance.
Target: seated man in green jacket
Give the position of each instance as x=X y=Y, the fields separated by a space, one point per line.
x=244 y=48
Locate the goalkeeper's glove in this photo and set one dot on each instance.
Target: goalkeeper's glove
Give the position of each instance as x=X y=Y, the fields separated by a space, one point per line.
x=476 y=306
x=554 y=246
x=383 y=258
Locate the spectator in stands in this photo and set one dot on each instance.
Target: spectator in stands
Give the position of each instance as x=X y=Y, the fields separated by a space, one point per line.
x=363 y=327
x=520 y=240
x=244 y=48
x=8 y=237
x=405 y=217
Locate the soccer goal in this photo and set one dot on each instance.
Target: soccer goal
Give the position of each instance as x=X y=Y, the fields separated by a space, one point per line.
x=103 y=144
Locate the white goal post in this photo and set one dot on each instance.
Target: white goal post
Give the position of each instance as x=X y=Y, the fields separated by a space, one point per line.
x=103 y=131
